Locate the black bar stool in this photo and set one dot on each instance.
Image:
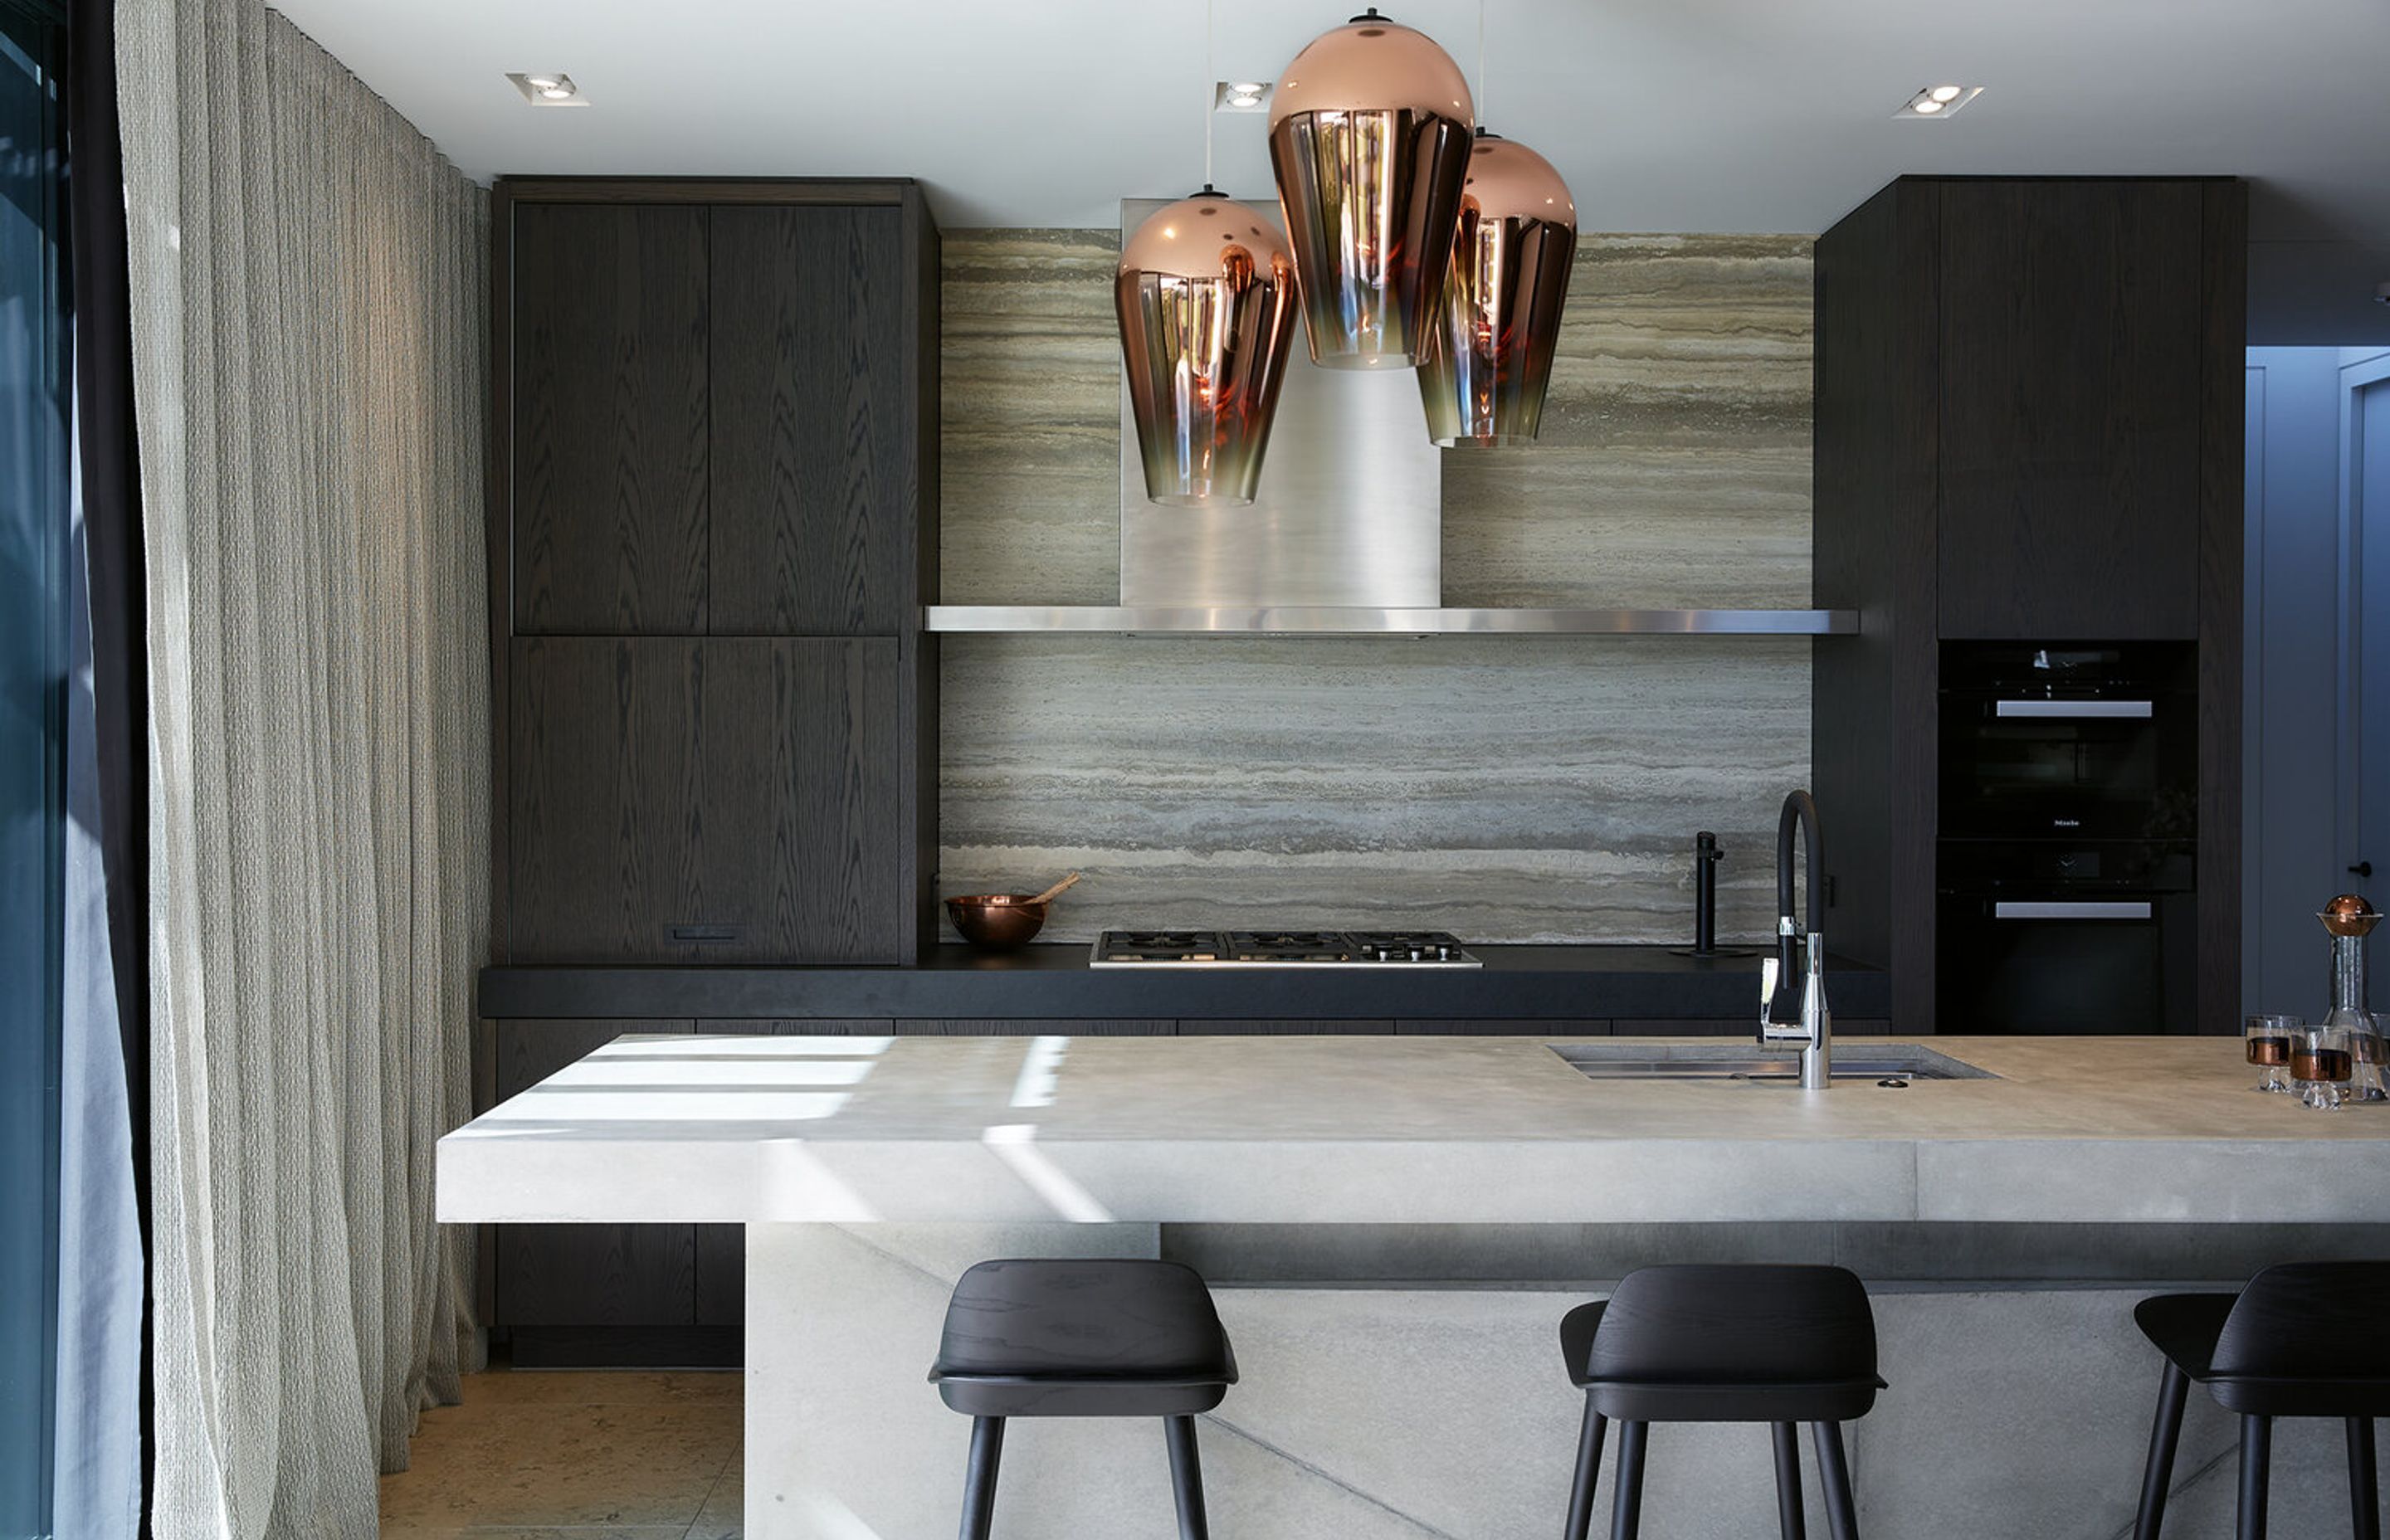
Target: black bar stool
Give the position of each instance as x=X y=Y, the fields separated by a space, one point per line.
x=2302 y=1340
x=1099 y=1338
x=1718 y=1344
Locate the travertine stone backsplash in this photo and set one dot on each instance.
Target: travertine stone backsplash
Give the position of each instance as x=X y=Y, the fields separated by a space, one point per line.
x=1509 y=789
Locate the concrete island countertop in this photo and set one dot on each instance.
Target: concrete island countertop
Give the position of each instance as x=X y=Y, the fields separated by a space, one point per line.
x=1420 y=1130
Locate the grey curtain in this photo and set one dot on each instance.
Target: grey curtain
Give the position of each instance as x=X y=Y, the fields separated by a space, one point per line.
x=307 y=284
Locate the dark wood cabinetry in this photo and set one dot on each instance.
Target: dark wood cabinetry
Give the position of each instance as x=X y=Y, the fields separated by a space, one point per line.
x=713 y=526
x=2069 y=381
x=608 y=416
x=814 y=441
x=2026 y=429
x=712 y=530
x=711 y=799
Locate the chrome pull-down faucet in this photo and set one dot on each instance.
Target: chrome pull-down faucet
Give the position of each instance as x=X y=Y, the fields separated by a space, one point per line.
x=1791 y=1011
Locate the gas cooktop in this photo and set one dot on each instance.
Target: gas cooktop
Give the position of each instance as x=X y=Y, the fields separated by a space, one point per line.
x=1280 y=949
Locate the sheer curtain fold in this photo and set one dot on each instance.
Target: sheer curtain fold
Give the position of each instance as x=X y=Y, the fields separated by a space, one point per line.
x=308 y=283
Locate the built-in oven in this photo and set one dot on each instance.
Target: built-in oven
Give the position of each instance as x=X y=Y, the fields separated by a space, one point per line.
x=2064 y=938
x=2068 y=741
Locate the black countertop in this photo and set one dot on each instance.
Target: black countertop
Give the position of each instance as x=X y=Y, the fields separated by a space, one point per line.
x=1522 y=983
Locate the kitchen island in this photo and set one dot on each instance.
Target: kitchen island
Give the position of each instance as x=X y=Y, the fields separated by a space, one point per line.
x=1394 y=1226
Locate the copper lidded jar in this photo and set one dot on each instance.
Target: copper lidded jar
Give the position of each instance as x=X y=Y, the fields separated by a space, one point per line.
x=1488 y=357
x=1206 y=293
x=1370 y=135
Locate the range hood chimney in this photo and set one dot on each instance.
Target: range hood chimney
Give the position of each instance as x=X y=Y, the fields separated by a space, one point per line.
x=1350 y=511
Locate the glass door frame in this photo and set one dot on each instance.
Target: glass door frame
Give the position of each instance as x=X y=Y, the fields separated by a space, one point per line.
x=35 y=389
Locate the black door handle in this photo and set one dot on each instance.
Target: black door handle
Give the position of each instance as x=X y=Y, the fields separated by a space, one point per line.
x=2363 y=869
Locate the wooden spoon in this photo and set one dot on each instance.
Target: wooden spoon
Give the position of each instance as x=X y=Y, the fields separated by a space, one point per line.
x=1048 y=895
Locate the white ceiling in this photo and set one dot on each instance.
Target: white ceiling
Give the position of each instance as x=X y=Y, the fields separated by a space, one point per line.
x=1664 y=115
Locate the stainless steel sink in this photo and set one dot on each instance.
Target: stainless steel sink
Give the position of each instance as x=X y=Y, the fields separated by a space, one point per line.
x=1864 y=1059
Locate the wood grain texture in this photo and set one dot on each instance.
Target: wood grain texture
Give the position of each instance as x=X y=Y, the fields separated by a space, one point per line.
x=2224 y=289
x=802 y=787
x=1258 y=1027
x=1030 y=1026
x=812 y=435
x=586 y=1274
x=603 y=825
x=1481 y=1027
x=2070 y=384
x=609 y=390
x=796 y=1026
x=1877 y=471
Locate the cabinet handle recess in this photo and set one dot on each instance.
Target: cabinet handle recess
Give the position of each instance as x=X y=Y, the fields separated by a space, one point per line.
x=705 y=932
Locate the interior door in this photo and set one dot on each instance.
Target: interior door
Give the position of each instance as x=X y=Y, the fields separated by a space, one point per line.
x=2369 y=639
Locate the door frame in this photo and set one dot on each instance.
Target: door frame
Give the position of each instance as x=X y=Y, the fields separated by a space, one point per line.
x=2356 y=379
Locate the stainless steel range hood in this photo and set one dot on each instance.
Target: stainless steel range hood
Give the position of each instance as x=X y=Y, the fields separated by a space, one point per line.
x=1346 y=538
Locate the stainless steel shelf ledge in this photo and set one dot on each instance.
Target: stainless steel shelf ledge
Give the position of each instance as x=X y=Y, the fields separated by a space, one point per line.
x=1358 y=620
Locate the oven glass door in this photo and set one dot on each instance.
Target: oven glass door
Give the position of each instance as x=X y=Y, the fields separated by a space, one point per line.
x=2064 y=965
x=2014 y=767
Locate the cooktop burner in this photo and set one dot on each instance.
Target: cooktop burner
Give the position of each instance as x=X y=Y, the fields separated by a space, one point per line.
x=1280 y=949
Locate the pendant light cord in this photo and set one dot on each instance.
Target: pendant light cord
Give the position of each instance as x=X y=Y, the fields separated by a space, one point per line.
x=1479 y=103
x=1209 y=66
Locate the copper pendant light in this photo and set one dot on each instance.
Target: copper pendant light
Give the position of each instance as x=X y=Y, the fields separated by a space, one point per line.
x=1205 y=294
x=1489 y=354
x=1369 y=136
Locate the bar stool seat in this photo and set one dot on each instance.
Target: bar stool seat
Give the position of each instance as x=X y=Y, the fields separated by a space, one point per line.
x=2302 y=1339
x=1101 y=1337
x=1713 y=1343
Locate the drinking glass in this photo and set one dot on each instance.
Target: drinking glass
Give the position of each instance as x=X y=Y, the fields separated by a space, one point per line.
x=2369 y=1046
x=2321 y=1060
x=2267 y=1041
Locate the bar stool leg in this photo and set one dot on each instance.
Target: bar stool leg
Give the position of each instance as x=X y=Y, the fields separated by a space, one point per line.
x=1589 y=1471
x=2165 y=1434
x=2364 y=1491
x=1626 y=1497
x=1834 y=1474
x=2256 y=1458
x=1790 y=1519
x=1187 y=1477
x=978 y=1477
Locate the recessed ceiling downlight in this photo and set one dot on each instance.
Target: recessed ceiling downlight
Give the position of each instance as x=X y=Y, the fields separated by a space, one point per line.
x=547 y=88
x=1938 y=101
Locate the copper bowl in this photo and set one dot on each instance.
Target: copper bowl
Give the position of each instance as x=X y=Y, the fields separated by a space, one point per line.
x=996 y=922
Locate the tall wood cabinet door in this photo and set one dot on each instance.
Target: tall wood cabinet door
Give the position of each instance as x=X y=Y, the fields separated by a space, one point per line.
x=604 y=810
x=2071 y=360
x=586 y=1274
x=609 y=374
x=803 y=801
x=813 y=434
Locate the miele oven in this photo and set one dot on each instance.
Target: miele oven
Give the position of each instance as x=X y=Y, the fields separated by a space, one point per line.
x=2081 y=938
x=2070 y=742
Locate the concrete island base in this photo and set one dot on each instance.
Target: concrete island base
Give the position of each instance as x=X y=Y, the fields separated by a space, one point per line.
x=2019 y=1410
